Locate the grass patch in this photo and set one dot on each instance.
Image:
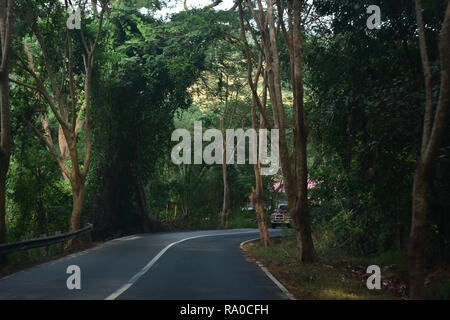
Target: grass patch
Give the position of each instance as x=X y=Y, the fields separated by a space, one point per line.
x=439 y=290
x=238 y=219
x=321 y=280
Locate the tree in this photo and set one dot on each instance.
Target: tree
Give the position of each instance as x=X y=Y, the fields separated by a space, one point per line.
x=293 y=164
x=64 y=98
x=433 y=128
x=145 y=66
x=221 y=82
x=363 y=91
x=257 y=194
x=5 y=125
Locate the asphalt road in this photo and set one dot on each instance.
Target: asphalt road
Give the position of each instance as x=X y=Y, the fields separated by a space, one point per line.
x=203 y=265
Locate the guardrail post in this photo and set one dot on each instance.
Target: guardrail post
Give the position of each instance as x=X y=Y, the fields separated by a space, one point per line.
x=59 y=245
x=44 y=250
x=89 y=237
x=23 y=254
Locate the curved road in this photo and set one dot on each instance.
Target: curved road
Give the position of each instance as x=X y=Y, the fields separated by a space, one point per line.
x=203 y=265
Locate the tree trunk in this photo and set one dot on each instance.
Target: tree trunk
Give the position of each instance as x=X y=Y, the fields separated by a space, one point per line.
x=301 y=210
x=75 y=220
x=140 y=190
x=431 y=137
x=257 y=195
x=258 y=203
x=5 y=125
x=145 y=221
x=276 y=97
x=4 y=164
x=142 y=197
x=5 y=150
x=225 y=205
x=418 y=234
x=77 y=209
x=300 y=213
x=63 y=146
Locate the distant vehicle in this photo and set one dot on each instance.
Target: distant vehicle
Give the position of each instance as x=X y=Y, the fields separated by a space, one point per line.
x=248 y=207
x=281 y=216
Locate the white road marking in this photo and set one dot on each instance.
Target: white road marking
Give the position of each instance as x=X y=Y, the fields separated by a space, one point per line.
x=269 y=274
x=147 y=267
x=130 y=238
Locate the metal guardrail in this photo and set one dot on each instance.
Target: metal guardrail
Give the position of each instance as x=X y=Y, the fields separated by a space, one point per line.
x=6 y=248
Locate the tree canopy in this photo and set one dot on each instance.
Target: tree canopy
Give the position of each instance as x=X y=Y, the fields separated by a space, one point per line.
x=87 y=117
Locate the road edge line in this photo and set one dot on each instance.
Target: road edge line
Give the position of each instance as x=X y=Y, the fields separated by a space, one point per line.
x=286 y=292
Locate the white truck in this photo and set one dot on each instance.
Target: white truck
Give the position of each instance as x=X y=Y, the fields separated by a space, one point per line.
x=281 y=216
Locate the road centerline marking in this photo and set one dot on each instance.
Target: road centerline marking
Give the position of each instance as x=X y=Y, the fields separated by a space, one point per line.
x=150 y=264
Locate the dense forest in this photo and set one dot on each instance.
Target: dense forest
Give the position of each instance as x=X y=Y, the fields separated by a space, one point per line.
x=92 y=91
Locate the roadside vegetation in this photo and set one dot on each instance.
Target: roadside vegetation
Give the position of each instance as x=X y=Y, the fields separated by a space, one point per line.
x=341 y=275
x=364 y=131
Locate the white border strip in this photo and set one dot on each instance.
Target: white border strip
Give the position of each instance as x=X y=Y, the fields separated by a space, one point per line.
x=268 y=274
x=147 y=267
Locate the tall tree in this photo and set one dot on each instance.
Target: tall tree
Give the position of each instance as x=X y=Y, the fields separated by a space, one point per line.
x=144 y=67
x=293 y=163
x=63 y=98
x=5 y=126
x=257 y=194
x=433 y=128
x=226 y=190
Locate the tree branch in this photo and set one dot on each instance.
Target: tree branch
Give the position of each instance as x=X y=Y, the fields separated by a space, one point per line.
x=428 y=80
x=50 y=148
x=5 y=33
x=29 y=86
x=250 y=67
x=444 y=96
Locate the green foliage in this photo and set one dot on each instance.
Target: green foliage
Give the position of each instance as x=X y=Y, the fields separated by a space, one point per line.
x=241 y=219
x=365 y=110
x=146 y=67
x=364 y=99
x=438 y=291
